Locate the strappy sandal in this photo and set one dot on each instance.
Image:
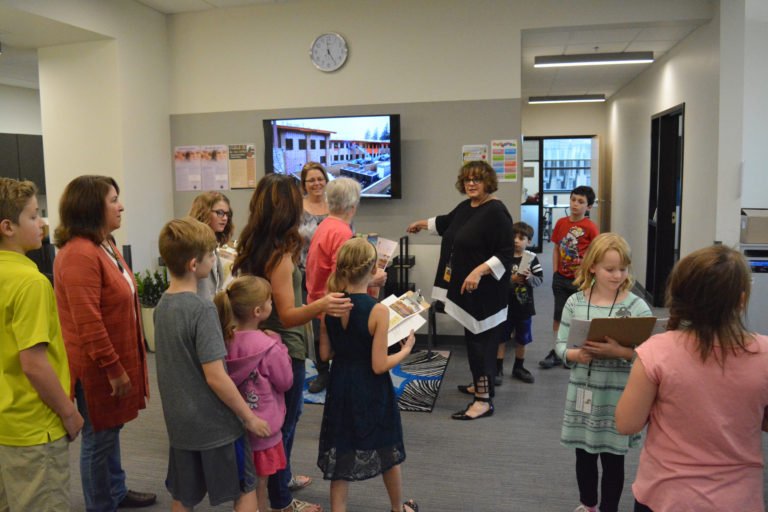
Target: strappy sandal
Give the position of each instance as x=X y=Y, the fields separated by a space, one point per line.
x=412 y=506
x=299 y=482
x=462 y=415
x=299 y=506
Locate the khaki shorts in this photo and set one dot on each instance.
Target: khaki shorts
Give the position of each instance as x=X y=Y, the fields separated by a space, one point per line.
x=35 y=477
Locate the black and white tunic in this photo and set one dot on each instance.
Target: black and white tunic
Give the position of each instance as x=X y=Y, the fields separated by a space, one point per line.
x=470 y=237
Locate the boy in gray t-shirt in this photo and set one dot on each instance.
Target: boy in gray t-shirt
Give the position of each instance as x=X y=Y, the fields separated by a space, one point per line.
x=204 y=412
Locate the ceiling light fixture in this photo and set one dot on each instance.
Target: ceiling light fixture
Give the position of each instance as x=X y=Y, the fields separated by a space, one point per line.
x=577 y=98
x=592 y=59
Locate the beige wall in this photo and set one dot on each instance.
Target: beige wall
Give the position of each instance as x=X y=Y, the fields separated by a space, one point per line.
x=256 y=57
x=104 y=109
x=688 y=74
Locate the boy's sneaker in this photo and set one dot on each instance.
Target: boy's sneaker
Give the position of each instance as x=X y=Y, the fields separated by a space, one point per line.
x=584 y=508
x=550 y=361
x=498 y=380
x=523 y=375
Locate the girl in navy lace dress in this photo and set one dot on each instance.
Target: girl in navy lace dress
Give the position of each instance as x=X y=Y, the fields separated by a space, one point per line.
x=361 y=435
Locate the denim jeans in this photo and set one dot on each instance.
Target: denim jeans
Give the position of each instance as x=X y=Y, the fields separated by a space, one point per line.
x=277 y=486
x=101 y=472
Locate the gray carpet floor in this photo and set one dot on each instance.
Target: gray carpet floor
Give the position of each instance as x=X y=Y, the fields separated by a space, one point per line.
x=511 y=461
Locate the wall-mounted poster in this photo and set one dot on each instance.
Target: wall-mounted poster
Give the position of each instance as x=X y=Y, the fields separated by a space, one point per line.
x=472 y=152
x=242 y=166
x=215 y=167
x=504 y=159
x=186 y=164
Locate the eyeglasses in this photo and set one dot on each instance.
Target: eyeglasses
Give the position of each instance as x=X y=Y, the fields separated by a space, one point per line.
x=473 y=179
x=222 y=213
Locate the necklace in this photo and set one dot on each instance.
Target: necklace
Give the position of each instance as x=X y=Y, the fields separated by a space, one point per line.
x=111 y=251
x=589 y=300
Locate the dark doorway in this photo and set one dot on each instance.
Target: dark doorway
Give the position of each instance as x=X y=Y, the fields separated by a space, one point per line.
x=665 y=199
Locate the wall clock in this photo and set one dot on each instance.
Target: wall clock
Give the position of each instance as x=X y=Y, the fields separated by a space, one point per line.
x=329 y=51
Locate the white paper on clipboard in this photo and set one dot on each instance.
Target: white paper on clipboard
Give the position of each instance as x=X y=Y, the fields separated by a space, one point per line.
x=578 y=332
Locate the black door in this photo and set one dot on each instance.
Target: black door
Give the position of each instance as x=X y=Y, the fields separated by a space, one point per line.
x=665 y=200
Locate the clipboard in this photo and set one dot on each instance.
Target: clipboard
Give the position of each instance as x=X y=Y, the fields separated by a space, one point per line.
x=629 y=332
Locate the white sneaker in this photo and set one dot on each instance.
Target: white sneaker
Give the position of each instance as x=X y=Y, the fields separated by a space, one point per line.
x=582 y=508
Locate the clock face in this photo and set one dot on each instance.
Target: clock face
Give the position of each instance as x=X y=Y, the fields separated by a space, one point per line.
x=329 y=52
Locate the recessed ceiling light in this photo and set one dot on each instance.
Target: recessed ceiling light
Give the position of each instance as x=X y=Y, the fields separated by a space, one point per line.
x=577 y=98
x=592 y=59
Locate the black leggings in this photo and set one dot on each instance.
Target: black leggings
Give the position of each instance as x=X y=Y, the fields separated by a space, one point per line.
x=481 y=353
x=639 y=507
x=611 y=484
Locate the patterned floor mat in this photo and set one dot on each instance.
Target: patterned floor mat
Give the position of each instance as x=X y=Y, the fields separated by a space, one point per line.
x=417 y=380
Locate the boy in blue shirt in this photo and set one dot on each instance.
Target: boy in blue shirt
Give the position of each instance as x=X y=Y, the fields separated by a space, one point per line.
x=37 y=416
x=204 y=411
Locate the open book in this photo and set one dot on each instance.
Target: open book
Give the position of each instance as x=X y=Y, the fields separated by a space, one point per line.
x=404 y=314
x=629 y=332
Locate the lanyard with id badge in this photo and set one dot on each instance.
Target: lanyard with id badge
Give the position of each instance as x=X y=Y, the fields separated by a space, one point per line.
x=584 y=395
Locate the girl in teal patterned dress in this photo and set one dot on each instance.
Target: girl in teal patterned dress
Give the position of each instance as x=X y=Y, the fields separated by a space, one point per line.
x=599 y=372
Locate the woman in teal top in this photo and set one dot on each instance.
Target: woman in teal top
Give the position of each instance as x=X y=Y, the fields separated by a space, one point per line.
x=269 y=247
x=599 y=371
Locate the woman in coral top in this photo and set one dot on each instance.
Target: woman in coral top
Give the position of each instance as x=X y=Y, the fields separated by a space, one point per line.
x=99 y=313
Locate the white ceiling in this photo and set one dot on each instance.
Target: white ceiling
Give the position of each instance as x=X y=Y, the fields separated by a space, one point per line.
x=21 y=34
x=656 y=37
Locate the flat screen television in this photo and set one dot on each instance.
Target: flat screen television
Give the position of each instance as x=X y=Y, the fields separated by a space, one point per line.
x=365 y=148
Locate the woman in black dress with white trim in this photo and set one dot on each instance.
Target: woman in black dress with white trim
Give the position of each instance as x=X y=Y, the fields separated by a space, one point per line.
x=473 y=274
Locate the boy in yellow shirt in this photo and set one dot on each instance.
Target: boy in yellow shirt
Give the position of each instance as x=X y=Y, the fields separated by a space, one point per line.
x=37 y=415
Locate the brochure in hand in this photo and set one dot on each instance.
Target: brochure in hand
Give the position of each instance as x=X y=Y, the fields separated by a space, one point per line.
x=404 y=314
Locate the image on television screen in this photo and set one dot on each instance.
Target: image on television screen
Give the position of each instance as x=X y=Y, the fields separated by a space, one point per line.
x=358 y=147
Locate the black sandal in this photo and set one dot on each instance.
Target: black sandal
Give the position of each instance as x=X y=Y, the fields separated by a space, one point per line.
x=465 y=389
x=462 y=415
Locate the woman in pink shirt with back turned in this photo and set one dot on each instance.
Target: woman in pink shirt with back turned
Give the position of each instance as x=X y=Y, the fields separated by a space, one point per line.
x=702 y=387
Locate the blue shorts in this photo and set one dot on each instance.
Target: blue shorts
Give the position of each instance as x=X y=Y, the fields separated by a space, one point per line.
x=521 y=329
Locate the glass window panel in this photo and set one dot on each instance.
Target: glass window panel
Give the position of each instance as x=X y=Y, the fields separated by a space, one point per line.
x=567 y=164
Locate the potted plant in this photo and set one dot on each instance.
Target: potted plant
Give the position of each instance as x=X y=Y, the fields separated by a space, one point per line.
x=150 y=288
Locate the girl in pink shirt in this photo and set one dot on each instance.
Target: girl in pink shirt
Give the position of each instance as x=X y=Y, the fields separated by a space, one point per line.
x=702 y=388
x=259 y=364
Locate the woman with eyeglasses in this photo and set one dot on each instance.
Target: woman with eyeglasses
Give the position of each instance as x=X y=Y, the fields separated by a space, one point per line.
x=473 y=275
x=213 y=208
x=99 y=313
x=313 y=182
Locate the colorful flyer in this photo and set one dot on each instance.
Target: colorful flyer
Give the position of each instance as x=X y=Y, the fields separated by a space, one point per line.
x=472 y=152
x=186 y=164
x=242 y=166
x=504 y=159
x=215 y=167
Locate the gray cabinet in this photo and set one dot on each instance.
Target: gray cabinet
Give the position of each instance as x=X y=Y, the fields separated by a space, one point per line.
x=21 y=158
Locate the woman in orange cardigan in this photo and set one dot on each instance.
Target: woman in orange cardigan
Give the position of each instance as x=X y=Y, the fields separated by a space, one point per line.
x=99 y=313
